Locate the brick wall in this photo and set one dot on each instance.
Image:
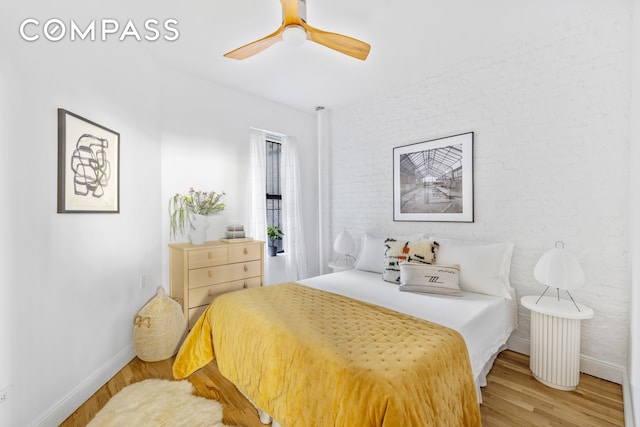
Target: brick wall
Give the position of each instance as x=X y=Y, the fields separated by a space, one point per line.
x=551 y=119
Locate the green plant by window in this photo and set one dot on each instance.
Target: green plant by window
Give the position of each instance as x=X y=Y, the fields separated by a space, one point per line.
x=274 y=233
x=181 y=206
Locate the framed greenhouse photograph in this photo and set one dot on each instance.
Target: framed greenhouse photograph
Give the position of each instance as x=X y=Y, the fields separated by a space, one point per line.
x=433 y=180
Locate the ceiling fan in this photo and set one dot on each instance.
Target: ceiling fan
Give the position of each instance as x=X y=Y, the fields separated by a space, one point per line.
x=294 y=27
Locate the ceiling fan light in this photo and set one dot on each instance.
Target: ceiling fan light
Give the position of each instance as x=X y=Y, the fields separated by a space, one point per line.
x=294 y=35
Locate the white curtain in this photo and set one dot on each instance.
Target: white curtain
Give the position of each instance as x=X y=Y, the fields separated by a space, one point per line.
x=293 y=242
x=257 y=209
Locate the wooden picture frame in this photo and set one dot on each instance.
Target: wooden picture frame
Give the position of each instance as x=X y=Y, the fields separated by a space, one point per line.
x=433 y=180
x=88 y=166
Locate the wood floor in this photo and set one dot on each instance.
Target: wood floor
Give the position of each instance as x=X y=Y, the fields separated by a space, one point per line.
x=512 y=397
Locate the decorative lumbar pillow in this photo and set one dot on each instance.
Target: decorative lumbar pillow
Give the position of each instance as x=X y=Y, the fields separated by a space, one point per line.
x=397 y=251
x=371 y=257
x=484 y=267
x=432 y=279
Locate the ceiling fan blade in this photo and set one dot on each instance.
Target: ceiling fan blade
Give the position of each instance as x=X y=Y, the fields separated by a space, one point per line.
x=290 y=12
x=343 y=44
x=257 y=46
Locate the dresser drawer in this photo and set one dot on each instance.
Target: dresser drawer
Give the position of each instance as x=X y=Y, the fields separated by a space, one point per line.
x=199 y=273
x=208 y=257
x=206 y=294
x=242 y=253
x=224 y=273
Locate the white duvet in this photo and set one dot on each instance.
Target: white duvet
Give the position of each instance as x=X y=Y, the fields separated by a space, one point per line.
x=485 y=322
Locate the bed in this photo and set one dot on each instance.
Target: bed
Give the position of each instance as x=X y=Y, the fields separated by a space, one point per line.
x=352 y=349
x=485 y=321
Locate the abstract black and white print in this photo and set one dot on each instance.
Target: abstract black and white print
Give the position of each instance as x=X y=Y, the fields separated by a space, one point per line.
x=88 y=165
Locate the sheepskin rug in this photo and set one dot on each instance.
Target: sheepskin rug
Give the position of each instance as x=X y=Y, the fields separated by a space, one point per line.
x=157 y=403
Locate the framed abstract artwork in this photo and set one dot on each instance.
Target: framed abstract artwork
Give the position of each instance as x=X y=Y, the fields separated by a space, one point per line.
x=88 y=166
x=433 y=180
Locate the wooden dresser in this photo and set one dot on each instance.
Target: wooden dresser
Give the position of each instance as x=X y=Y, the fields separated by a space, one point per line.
x=199 y=273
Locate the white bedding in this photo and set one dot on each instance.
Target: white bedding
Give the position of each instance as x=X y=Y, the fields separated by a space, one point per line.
x=485 y=322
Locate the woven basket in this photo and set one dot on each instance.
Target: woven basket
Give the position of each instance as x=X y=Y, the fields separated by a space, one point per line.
x=158 y=328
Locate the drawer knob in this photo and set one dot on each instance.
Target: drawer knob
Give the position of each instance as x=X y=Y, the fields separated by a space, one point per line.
x=210 y=292
x=245 y=284
x=246 y=268
x=246 y=251
x=209 y=255
x=209 y=274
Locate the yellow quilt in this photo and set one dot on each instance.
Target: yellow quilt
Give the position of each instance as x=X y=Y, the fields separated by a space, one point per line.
x=313 y=358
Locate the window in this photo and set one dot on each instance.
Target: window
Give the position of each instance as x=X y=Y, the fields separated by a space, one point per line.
x=273 y=190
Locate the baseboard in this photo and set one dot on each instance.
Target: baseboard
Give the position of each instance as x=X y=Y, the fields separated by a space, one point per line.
x=627 y=398
x=519 y=345
x=605 y=370
x=588 y=365
x=61 y=410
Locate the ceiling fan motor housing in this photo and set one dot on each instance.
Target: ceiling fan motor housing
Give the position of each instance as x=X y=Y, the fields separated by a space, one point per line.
x=294 y=35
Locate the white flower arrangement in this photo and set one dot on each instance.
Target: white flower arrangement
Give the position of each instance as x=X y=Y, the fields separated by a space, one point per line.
x=181 y=208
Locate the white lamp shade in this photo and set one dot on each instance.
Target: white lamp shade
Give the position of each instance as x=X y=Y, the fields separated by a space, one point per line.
x=557 y=268
x=344 y=243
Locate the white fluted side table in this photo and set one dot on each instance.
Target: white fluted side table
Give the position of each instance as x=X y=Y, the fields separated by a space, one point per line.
x=555 y=340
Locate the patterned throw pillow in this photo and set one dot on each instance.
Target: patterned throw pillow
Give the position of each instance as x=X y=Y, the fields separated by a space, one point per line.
x=432 y=279
x=397 y=251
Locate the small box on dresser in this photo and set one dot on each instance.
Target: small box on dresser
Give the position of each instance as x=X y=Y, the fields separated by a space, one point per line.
x=199 y=273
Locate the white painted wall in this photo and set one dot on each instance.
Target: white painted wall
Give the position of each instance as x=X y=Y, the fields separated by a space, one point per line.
x=551 y=123
x=632 y=409
x=75 y=291
x=7 y=217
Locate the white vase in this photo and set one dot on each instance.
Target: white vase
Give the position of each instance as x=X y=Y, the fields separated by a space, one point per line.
x=199 y=225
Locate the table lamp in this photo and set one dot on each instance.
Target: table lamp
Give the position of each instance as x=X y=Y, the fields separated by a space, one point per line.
x=344 y=245
x=557 y=268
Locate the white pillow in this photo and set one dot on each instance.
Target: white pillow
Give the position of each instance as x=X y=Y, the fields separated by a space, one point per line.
x=433 y=279
x=484 y=267
x=506 y=265
x=371 y=257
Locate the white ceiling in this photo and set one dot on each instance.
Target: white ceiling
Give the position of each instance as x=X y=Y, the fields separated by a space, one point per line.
x=410 y=40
